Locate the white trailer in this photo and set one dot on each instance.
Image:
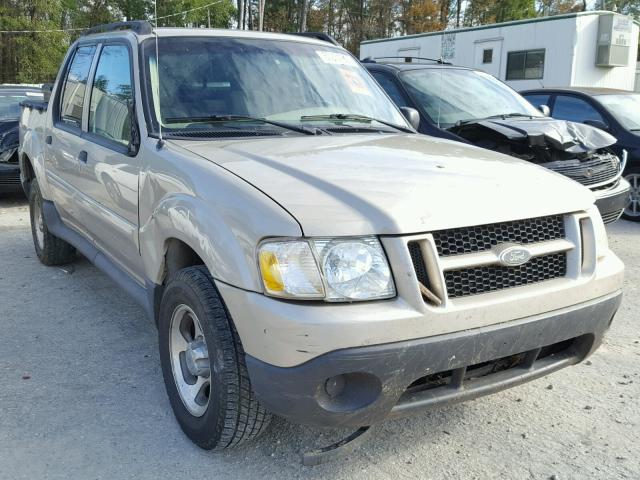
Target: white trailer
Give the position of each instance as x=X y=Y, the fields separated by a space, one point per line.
x=586 y=49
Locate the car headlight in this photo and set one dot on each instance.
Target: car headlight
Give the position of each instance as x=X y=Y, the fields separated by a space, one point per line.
x=333 y=269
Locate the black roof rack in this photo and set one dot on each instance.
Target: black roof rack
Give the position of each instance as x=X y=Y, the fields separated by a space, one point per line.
x=318 y=36
x=407 y=59
x=141 y=27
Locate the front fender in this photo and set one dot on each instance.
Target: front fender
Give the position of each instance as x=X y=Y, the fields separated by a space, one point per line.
x=226 y=249
x=32 y=151
x=217 y=214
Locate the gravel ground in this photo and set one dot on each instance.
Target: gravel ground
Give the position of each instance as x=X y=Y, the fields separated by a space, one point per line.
x=82 y=397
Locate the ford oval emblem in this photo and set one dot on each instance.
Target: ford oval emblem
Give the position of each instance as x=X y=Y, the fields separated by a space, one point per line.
x=513 y=255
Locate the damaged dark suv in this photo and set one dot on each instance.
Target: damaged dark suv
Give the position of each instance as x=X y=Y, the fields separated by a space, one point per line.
x=474 y=107
x=10 y=98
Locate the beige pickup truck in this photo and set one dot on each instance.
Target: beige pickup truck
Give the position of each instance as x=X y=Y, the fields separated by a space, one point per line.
x=303 y=251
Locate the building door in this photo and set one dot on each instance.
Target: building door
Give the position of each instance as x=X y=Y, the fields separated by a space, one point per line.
x=488 y=56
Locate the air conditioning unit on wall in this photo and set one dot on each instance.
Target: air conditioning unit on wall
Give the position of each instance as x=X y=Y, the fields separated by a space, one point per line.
x=614 y=40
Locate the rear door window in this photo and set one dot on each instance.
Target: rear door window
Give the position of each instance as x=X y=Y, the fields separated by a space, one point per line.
x=73 y=94
x=574 y=109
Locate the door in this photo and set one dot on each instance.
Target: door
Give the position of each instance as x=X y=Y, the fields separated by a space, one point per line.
x=112 y=170
x=65 y=169
x=488 y=55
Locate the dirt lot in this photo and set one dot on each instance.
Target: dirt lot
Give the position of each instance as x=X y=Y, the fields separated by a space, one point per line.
x=82 y=397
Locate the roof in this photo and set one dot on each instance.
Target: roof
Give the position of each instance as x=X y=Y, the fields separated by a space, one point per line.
x=20 y=86
x=223 y=32
x=494 y=25
x=406 y=66
x=165 y=32
x=19 y=89
x=592 y=91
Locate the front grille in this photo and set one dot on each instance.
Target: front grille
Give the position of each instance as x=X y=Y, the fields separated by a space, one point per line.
x=606 y=186
x=610 y=217
x=472 y=281
x=461 y=262
x=593 y=171
x=10 y=180
x=476 y=239
x=418 y=263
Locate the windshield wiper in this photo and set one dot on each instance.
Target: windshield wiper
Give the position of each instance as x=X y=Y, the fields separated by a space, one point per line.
x=500 y=115
x=510 y=115
x=233 y=118
x=354 y=117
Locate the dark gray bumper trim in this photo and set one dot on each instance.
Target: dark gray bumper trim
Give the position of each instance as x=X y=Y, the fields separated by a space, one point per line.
x=298 y=393
x=613 y=204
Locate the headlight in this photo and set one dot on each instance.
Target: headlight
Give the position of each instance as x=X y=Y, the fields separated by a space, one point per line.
x=336 y=270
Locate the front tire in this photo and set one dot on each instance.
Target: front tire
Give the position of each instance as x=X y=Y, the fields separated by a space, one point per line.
x=50 y=249
x=203 y=364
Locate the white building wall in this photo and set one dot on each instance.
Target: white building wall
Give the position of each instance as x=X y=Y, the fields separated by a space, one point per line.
x=569 y=44
x=586 y=73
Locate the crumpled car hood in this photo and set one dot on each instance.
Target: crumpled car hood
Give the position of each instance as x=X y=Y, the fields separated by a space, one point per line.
x=559 y=134
x=392 y=184
x=9 y=138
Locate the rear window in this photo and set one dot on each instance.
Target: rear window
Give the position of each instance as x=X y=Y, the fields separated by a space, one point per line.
x=75 y=85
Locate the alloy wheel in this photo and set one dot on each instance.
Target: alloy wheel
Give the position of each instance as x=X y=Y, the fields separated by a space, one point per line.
x=190 y=360
x=633 y=207
x=38 y=222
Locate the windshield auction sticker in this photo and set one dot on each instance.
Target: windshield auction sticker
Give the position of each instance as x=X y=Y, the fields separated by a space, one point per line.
x=354 y=81
x=336 y=58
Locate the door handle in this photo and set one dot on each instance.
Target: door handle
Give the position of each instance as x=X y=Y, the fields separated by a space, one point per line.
x=82 y=156
x=48 y=140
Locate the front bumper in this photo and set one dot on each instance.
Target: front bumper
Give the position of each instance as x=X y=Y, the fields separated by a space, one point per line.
x=10 y=177
x=612 y=201
x=364 y=385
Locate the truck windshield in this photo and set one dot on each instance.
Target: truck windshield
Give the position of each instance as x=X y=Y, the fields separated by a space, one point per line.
x=451 y=96
x=625 y=108
x=209 y=83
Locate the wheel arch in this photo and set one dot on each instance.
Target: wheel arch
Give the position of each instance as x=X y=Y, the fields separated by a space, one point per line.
x=179 y=255
x=183 y=231
x=27 y=173
x=31 y=158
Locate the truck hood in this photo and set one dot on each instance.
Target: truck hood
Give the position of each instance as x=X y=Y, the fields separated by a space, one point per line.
x=392 y=184
x=545 y=132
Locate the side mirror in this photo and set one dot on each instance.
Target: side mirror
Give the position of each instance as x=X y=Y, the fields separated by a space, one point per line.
x=412 y=116
x=597 y=123
x=134 y=141
x=546 y=111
